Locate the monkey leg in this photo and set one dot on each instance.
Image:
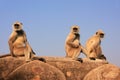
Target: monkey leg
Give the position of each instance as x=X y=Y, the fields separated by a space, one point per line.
x=27 y=57
x=28 y=54
x=18 y=51
x=93 y=56
x=102 y=57
x=83 y=50
x=80 y=60
x=76 y=53
x=22 y=51
x=70 y=52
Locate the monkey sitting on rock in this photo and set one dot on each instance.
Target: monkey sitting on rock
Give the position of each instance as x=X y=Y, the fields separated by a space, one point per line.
x=73 y=47
x=19 y=45
x=93 y=46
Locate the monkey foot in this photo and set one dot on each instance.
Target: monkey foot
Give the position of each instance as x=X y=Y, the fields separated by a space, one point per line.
x=92 y=58
x=80 y=60
x=27 y=61
x=39 y=58
x=102 y=57
x=42 y=59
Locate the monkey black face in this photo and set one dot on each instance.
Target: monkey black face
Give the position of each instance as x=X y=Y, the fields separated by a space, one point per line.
x=102 y=35
x=16 y=26
x=75 y=30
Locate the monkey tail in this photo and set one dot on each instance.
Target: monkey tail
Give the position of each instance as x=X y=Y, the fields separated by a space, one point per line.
x=5 y=55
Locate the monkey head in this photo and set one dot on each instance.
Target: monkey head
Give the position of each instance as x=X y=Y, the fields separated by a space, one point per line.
x=75 y=29
x=100 y=33
x=17 y=26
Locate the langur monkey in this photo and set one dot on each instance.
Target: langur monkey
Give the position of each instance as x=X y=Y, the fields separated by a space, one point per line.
x=73 y=48
x=19 y=45
x=93 y=46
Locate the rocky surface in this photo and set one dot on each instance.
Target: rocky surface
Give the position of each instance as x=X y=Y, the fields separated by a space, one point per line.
x=9 y=64
x=36 y=70
x=57 y=68
x=105 y=72
x=74 y=70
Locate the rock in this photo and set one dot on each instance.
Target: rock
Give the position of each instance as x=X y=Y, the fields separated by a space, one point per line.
x=36 y=70
x=9 y=64
x=57 y=68
x=105 y=72
x=74 y=70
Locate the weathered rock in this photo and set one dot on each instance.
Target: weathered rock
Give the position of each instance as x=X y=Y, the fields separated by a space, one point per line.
x=56 y=68
x=9 y=64
x=74 y=70
x=105 y=72
x=36 y=70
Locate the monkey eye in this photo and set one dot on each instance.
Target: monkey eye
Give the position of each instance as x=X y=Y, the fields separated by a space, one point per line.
x=17 y=25
x=102 y=34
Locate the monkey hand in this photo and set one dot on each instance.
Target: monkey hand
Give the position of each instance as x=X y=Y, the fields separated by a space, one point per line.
x=92 y=58
x=75 y=45
x=12 y=54
x=102 y=57
x=80 y=60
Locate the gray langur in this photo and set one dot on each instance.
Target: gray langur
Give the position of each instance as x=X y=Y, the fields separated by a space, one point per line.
x=93 y=46
x=73 y=48
x=19 y=45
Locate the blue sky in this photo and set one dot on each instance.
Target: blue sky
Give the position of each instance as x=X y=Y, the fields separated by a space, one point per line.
x=48 y=22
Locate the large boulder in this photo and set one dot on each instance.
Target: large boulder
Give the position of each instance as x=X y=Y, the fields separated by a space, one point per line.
x=74 y=70
x=105 y=72
x=56 y=68
x=36 y=70
x=9 y=64
x=15 y=68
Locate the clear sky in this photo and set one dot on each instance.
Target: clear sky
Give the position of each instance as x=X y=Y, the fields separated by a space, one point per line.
x=48 y=22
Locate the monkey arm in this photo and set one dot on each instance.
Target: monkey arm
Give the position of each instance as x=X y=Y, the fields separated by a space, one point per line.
x=84 y=51
x=100 y=54
x=11 y=46
x=69 y=42
x=93 y=44
x=29 y=48
x=99 y=50
x=27 y=44
x=11 y=41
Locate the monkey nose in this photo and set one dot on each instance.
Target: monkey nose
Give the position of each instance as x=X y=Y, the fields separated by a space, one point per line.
x=16 y=27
